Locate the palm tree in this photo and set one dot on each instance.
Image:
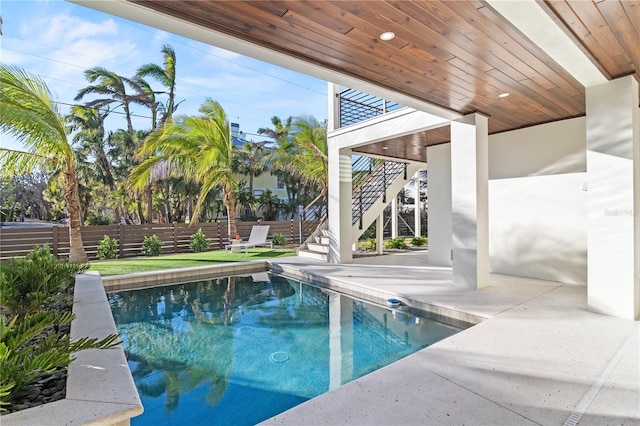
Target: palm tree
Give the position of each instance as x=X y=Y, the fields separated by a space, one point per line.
x=311 y=161
x=151 y=102
x=28 y=113
x=193 y=146
x=249 y=161
x=300 y=161
x=114 y=87
x=124 y=145
x=88 y=123
x=147 y=98
x=165 y=76
x=245 y=200
x=280 y=131
x=281 y=157
x=270 y=203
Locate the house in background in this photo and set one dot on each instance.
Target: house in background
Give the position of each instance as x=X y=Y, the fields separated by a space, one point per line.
x=525 y=114
x=265 y=181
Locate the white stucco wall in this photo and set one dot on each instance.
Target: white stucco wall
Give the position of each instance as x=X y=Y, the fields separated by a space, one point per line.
x=538 y=202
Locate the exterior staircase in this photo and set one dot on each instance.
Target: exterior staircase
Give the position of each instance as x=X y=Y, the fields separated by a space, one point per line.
x=375 y=183
x=317 y=245
x=370 y=199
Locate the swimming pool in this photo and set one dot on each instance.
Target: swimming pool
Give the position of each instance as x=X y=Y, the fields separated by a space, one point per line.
x=238 y=350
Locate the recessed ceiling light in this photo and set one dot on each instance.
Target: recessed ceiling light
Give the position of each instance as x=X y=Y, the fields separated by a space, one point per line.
x=387 y=35
x=503 y=95
x=384 y=147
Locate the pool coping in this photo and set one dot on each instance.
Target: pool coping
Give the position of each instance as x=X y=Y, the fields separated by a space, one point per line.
x=371 y=294
x=176 y=276
x=100 y=387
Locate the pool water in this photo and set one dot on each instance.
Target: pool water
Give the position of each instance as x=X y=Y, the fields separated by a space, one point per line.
x=238 y=350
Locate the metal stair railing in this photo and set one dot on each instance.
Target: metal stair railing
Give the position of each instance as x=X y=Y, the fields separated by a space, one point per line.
x=370 y=189
x=361 y=167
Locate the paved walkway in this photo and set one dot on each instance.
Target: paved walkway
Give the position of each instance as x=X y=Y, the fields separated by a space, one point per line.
x=536 y=357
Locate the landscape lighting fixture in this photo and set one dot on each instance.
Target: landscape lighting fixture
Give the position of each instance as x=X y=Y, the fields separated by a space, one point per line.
x=387 y=35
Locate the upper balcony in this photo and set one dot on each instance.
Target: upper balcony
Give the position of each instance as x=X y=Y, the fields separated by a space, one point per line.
x=355 y=106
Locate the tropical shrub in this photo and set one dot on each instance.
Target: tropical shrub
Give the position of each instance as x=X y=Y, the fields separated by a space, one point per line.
x=397 y=243
x=279 y=239
x=32 y=345
x=198 y=242
x=94 y=218
x=419 y=241
x=28 y=284
x=107 y=248
x=151 y=246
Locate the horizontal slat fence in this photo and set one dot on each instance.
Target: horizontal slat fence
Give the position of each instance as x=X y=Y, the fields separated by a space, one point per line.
x=17 y=242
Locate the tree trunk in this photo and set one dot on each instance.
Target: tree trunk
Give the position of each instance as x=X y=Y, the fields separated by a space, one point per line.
x=229 y=203
x=189 y=207
x=139 y=206
x=127 y=113
x=72 y=199
x=149 y=204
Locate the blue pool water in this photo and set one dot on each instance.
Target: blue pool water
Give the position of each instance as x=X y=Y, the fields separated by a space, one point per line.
x=238 y=350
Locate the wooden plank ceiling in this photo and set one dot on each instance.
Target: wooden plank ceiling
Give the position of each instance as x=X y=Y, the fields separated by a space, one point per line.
x=460 y=55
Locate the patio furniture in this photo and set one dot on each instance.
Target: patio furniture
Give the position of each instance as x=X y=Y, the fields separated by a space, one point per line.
x=257 y=238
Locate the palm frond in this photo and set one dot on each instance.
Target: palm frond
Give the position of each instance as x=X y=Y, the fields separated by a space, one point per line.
x=28 y=113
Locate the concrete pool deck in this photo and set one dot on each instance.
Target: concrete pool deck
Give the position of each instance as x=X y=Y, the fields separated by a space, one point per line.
x=536 y=357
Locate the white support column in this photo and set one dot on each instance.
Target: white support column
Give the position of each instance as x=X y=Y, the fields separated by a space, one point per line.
x=340 y=193
x=380 y=234
x=469 y=200
x=613 y=194
x=394 y=217
x=333 y=122
x=416 y=206
x=439 y=224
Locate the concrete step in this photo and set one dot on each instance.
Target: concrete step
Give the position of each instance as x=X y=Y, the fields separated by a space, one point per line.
x=318 y=247
x=310 y=254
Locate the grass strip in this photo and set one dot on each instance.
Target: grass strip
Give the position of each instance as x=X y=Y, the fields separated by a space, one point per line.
x=186 y=260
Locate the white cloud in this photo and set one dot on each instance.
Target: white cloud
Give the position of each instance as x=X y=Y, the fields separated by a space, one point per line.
x=67 y=39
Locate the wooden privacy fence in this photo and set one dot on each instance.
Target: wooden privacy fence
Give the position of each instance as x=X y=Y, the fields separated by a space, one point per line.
x=17 y=242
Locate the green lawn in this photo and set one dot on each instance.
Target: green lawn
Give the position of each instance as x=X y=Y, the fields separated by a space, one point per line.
x=144 y=264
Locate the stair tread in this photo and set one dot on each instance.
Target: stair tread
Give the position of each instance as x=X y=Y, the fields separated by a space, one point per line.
x=313 y=251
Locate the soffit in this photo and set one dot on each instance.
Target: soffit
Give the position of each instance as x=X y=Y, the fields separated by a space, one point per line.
x=411 y=147
x=459 y=55
x=608 y=31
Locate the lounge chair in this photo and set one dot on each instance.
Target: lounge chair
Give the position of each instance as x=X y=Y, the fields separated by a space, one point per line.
x=257 y=238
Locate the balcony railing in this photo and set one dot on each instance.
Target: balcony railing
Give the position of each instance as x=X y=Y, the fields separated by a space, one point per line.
x=355 y=106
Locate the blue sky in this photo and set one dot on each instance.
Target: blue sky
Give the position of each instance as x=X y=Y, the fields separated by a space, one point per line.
x=58 y=41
